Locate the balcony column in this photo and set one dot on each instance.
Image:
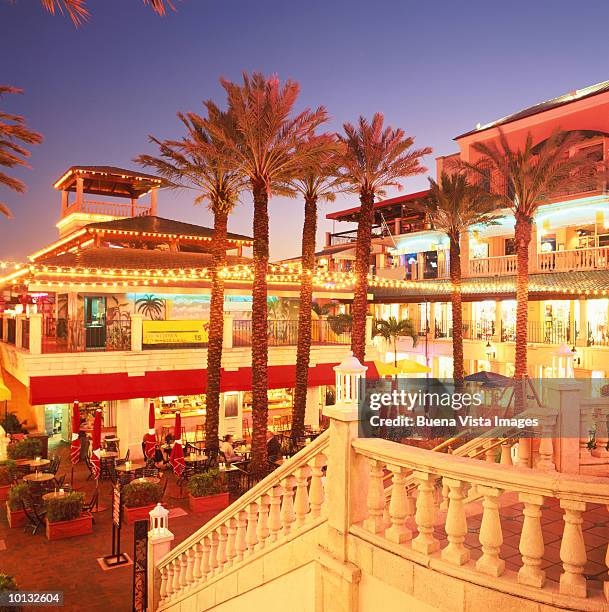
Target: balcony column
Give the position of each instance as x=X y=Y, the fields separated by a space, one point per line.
x=65 y=202
x=35 y=334
x=571 y=339
x=154 y=201
x=432 y=320
x=137 y=332
x=498 y=323
x=19 y=329
x=369 y=321
x=227 y=337
x=582 y=338
x=464 y=246
x=312 y=407
x=80 y=183
x=131 y=425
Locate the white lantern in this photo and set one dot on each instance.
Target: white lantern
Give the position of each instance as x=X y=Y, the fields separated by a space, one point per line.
x=159 y=520
x=348 y=375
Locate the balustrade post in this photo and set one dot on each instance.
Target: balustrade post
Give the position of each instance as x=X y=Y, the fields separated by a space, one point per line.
x=263 y=531
x=316 y=488
x=137 y=332
x=301 y=501
x=531 y=541
x=602 y=434
x=35 y=347
x=251 y=537
x=400 y=507
x=288 y=516
x=213 y=552
x=177 y=575
x=376 y=498
x=456 y=524
x=523 y=452
x=586 y=429
x=159 y=545
x=222 y=540
x=573 y=549
x=546 y=446
x=425 y=542
x=506 y=454
x=241 y=529
x=231 y=531
x=275 y=513
x=205 y=568
x=491 y=536
x=197 y=575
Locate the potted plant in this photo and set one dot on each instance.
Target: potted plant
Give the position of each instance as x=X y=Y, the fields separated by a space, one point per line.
x=139 y=498
x=14 y=510
x=65 y=518
x=24 y=449
x=207 y=491
x=8 y=473
x=7 y=583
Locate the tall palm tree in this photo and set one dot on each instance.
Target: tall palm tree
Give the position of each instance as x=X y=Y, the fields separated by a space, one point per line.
x=318 y=182
x=374 y=158
x=268 y=145
x=79 y=13
x=14 y=134
x=195 y=162
x=523 y=179
x=391 y=329
x=453 y=206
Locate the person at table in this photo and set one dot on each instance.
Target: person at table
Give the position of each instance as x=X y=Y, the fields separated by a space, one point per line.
x=273 y=447
x=227 y=448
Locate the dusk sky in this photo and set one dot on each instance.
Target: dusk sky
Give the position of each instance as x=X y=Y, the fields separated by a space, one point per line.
x=435 y=69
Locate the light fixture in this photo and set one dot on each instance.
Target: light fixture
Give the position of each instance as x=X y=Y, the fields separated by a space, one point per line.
x=489 y=349
x=576 y=358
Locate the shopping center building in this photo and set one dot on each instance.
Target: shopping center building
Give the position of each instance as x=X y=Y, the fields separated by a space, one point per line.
x=115 y=314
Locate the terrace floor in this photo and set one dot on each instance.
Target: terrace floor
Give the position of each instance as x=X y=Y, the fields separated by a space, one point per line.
x=70 y=565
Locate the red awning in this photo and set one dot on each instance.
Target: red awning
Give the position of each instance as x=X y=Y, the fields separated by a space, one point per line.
x=120 y=386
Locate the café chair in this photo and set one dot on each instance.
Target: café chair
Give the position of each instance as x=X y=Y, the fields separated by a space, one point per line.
x=91 y=504
x=35 y=518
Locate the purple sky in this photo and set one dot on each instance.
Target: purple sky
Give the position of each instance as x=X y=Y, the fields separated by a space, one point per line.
x=435 y=69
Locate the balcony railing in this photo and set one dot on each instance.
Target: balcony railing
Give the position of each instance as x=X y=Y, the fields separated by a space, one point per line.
x=74 y=336
x=112 y=209
x=493 y=266
x=596 y=258
x=285 y=333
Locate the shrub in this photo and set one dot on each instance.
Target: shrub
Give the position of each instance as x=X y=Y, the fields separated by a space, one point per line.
x=65 y=508
x=16 y=494
x=206 y=483
x=8 y=472
x=7 y=583
x=141 y=493
x=11 y=423
x=24 y=449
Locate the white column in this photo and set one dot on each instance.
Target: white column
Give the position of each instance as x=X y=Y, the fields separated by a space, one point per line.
x=312 y=407
x=153 y=200
x=368 y=329
x=137 y=322
x=131 y=425
x=79 y=193
x=35 y=334
x=159 y=544
x=19 y=329
x=227 y=338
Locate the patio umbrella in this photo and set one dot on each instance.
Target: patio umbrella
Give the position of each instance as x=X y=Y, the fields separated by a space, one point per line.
x=75 y=444
x=150 y=438
x=404 y=366
x=176 y=458
x=490 y=378
x=96 y=453
x=5 y=395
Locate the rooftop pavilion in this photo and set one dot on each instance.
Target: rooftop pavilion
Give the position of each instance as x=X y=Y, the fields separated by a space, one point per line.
x=119 y=184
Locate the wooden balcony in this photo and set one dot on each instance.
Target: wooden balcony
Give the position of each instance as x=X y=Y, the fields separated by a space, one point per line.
x=110 y=209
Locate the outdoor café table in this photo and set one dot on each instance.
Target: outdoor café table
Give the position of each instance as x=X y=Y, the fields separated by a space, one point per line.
x=104 y=454
x=130 y=467
x=54 y=495
x=195 y=458
x=37 y=463
x=152 y=479
x=38 y=477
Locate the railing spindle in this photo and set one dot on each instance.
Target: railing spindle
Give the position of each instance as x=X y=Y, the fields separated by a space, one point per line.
x=316 y=488
x=301 y=500
x=491 y=536
x=573 y=549
x=425 y=542
x=287 y=506
x=456 y=524
x=376 y=498
x=400 y=507
x=531 y=541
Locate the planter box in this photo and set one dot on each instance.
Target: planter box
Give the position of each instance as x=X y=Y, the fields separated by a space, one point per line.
x=70 y=529
x=139 y=513
x=208 y=503
x=4 y=492
x=16 y=518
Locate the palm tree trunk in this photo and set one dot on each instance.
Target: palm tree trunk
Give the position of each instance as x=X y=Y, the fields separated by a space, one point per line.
x=216 y=331
x=522 y=233
x=395 y=351
x=457 y=309
x=260 y=348
x=303 y=350
x=362 y=263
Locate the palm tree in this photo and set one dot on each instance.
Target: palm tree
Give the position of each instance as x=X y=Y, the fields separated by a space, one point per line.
x=14 y=133
x=79 y=13
x=268 y=146
x=150 y=306
x=523 y=179
x=374 y=158
x=195 y=162
x=453 y=206
x=317 y=182
x=391 y=329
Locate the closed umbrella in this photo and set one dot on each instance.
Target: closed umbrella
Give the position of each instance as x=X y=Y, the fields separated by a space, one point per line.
x=150 y=438
x=75 y=444
x=176 y=459
x=96 y=453
x=404 y=366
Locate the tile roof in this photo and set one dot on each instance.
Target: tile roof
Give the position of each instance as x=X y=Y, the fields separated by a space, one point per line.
x=573 y=96
x=135 y=259
x=159 y=225
x=569 y=283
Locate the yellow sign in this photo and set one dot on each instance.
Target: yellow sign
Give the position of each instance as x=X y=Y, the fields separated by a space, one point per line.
x=175 y=332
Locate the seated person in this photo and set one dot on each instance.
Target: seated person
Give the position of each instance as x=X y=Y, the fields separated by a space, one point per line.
x=227 y=448
x=273 y=447
x=159 y=459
